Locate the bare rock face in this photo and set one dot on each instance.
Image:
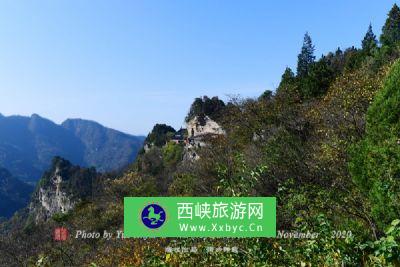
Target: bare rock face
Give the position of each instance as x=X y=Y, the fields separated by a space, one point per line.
x=198 y=129
x=60 y=189
x=201 y=126
x=53 y=200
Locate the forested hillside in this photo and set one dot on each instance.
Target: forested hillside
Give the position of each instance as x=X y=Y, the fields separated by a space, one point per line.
x=326 y=143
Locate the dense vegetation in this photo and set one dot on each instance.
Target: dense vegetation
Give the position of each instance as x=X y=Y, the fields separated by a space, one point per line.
x=326 y=144
x=205 y=106
x=159 y=135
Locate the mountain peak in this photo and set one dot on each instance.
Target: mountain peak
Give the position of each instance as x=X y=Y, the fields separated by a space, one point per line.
x=78 y=123
x=35 y=115
x=100 y=144
x=80 y=120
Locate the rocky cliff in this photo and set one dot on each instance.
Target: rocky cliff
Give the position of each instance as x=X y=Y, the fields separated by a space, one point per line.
x=202 y=125
x=61 y=188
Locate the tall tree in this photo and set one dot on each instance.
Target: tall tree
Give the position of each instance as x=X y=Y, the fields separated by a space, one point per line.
x=391 y=30
x=306 y=57
x=369 y=43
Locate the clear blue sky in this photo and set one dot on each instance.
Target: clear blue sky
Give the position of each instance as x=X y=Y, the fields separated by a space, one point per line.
x=131 y=64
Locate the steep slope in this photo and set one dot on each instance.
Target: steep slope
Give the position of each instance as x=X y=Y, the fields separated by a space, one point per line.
x=104 y=148
x=60 y=188
x=14 y=194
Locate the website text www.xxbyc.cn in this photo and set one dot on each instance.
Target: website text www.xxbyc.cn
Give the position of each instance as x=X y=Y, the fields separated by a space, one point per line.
x=215 y=227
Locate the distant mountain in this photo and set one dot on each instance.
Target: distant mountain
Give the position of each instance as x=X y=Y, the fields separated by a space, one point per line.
x=14 y=194
x=104 y=148
x=28 y=144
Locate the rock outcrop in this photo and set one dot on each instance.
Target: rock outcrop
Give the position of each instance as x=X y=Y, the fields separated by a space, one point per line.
x=202 y=125
x=60 y=189
x=199 y=128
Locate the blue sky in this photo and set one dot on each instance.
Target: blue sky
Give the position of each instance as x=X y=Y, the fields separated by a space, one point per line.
x=131 y=64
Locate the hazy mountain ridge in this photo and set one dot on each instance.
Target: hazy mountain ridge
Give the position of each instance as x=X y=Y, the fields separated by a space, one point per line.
x=105 y=148
x=27 y=145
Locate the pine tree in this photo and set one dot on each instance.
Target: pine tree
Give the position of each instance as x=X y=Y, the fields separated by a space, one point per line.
x=306 y=56
x=369 y=43
x=391 y=30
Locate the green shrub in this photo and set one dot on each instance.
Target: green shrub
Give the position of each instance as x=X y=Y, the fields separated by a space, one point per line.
x=375 y=164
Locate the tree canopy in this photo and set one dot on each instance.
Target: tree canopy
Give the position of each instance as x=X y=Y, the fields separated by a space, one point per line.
x=391 y=30
x=369 y=43
x=306 y=56
x=206 y=106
